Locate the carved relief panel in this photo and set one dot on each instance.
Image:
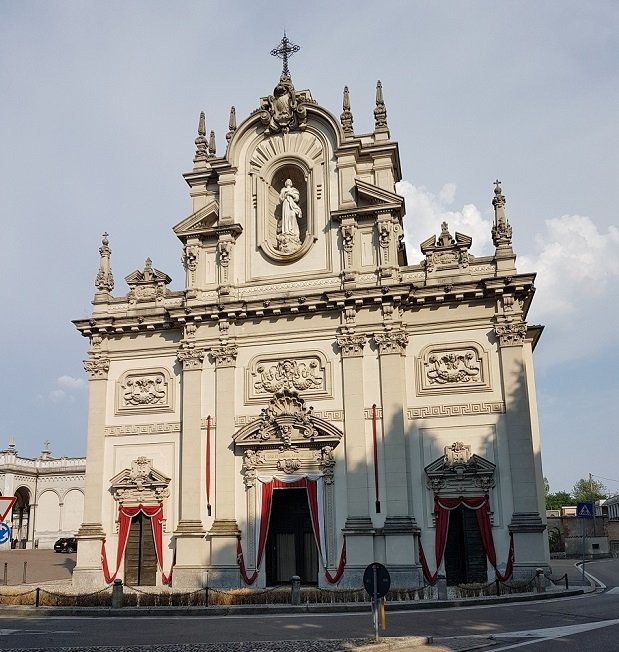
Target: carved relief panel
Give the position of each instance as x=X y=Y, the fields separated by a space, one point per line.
x=145 y=391
x=307 y=373
x=459 y=367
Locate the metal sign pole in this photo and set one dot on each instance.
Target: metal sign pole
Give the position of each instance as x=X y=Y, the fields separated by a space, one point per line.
x=375 y=602
x=582 y=520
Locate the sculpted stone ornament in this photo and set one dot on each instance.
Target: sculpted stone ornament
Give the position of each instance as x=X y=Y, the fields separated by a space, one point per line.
x=147 y=285
x=190 y=356
x=284 y=110
x=225 y=355
x=288 y=238
x=501 y=230
x=446 y=251
x=285 y=416
x=351 y=345
x=394 y=341
x=289 y=374
x=511 y=333
x=140 y=484
x=452 y=368
x=189 y=257
x=104 y=281
x=146 y=390
x=97 y=368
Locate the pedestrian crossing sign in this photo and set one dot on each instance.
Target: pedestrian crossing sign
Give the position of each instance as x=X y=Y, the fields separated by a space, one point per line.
x=584 y=510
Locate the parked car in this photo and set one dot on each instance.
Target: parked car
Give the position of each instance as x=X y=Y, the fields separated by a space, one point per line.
x=66 y=544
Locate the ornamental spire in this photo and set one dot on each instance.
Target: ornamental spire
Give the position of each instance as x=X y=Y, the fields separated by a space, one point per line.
x=104 y=281
x=346 y=117
x=231 y=124
x=501 y=230
x=201 y=140
x=211 y=145
x=380 y=112
x=284 y=51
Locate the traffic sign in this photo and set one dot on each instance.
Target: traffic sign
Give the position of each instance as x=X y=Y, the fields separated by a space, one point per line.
x=6 y=504
x=5 y=533
x=376 y=580
x=584 y=510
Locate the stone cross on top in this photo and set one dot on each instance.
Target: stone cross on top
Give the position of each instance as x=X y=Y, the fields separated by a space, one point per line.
x=283 y=51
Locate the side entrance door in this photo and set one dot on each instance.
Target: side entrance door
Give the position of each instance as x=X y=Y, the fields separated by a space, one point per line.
x=465 y=557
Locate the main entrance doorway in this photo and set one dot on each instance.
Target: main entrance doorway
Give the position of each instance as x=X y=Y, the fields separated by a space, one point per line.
x=465 y=557
x=140 y=555
x=291 y=548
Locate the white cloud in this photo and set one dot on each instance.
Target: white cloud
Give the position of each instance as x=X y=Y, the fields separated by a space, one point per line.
x=68 y=382
x=425 y=211
x=57 y=395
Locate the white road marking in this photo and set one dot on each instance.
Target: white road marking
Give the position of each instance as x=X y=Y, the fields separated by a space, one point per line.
x=550 y=633
x=615 y=591
x=6 y=632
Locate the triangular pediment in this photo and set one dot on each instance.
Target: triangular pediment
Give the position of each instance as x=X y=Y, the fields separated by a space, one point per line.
x=370 y=194
x=475 y=464
x=156 y=276
x=140 y=484
x=202 y=220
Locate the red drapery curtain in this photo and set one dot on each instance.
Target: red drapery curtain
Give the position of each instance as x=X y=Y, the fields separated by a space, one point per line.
x=442 y=507
x=125 y=514
x=310 y=486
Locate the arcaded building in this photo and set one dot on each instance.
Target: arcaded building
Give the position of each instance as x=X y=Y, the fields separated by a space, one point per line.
x=309 y=402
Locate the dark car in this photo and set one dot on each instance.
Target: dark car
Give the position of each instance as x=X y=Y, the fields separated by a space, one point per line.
x=66 y=544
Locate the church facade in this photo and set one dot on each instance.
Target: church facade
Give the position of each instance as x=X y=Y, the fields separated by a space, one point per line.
x=310 y=402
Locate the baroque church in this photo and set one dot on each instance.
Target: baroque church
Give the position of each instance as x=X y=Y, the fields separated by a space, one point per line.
x=310 y=402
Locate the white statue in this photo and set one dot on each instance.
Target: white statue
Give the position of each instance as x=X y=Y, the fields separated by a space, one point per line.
x=289 y=237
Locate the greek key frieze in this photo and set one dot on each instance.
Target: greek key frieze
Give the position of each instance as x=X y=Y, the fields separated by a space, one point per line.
x=461 y=409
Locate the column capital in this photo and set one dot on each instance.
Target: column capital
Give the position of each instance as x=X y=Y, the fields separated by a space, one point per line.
x=190 y=356
x=225 y=355
x=97 y=368
x=351 y=345
x=392 y=341
x=511 y=333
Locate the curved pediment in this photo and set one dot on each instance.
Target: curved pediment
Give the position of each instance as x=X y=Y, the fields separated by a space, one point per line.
x=287 y=422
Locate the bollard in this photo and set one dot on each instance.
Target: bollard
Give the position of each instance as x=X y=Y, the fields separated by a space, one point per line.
x=6 y=573
x=441 y=585
x=540 y=584
x=498 y=587
x=206 y=595
x=25 y=573
x=567 y=584
x=295 y=591
x=37 y=596
x=117 y=594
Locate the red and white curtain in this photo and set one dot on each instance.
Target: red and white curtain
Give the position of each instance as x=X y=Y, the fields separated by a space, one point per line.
x=125 y=514
x=314 y=486
x=442 y=508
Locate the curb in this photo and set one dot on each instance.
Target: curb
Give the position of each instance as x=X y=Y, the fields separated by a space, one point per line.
x=137 y=612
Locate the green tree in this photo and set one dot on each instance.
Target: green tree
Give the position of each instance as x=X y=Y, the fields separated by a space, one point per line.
x=559 y=499
x=589 y=490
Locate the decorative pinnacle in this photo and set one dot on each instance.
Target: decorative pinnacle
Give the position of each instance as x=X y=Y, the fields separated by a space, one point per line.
x=346 y=116
x=380 y=112
x=283 y=51
x=104 y=281
x=201 y=140
x=501 y=230
x=211 y=145
x=231 y=124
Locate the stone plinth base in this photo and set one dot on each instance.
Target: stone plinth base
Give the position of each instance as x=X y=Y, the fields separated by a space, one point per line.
x=87 y=580
x=188 y=577
x=526 y=571
x=224 y=577
x=405 y=577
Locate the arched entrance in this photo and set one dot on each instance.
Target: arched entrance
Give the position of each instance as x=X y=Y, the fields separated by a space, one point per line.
x=21 y=517
x=290 y=547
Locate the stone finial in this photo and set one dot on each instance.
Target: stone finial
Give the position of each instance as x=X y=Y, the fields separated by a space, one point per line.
x=445 y=239
x=104 y=281
x=231 y=124
x=380 y=112
x=12 y=448
x=148 y=270
x=211 y=145
x=501 y=230
x=346 y=116
x=45 y=452
x=201 y=152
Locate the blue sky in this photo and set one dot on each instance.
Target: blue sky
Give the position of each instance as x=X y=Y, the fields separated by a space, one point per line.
x=99 y=109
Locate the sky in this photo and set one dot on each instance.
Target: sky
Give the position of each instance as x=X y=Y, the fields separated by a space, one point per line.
x=99 y=104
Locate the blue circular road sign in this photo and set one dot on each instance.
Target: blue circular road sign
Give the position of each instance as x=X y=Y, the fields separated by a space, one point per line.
x=5 y=533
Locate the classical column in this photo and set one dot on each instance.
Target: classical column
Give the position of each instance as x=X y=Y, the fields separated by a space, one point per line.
x=526 y=523
x=88 y=572
x=223 y=569
x=358 y=527
x=400 y=526
x=189 y=533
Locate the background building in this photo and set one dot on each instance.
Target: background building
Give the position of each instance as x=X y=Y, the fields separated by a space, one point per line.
x=50 y=496
x=310 y=402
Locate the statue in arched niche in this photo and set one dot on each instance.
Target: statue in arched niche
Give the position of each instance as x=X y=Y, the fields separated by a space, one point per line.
x=288 y=239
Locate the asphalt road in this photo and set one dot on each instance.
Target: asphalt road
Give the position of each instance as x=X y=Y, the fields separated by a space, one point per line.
x=589 y=622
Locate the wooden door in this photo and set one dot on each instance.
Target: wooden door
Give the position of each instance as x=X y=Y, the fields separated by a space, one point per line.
x=140 y=555
x=465 y=557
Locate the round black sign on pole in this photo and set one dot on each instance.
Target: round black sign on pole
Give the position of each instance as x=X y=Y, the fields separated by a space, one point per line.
x=376 y=580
